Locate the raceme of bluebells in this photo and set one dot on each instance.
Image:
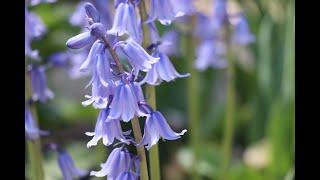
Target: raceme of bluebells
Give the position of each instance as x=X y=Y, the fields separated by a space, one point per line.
x=116 y=89
x=212 y=49
x=34 y=29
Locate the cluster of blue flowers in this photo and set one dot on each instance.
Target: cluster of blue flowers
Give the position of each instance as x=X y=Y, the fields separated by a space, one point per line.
x=34 y=29
x=212 y=49
x=117 y=62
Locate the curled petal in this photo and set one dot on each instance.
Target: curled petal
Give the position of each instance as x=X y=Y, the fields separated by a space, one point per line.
x=92 y=12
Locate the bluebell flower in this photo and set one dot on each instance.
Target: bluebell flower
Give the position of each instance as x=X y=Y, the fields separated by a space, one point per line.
x=242 y=34
x=204 y=28
x=68 y=168
x=97 y=30
x=92 y=12
x=40 y=89
x=34 y=29
x=79 y=17
x=126 y=22
x=220 y=15
x=162 y=10
x=125 y=102
x=162 y=70
x=59 y=59
x=99 y=93
x=170 y=43
x=156 y=127
x=31 y=129
x=127 y=176
x=137 y=56
x=210 y=53
x=118 y=162
x=107 y=129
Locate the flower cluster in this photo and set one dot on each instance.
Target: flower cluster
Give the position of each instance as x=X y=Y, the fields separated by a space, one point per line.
x=34 y=29
x=116 y=62
x=212 y=49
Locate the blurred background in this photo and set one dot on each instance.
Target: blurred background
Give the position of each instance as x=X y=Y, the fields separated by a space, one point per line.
x=263 y=139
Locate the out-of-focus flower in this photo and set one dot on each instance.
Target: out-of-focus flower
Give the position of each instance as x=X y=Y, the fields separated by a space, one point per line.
x=34 y=28
x=220 y=15
x=107 y=129
x=40 y=89
x=36 y=2
x=210 y=53
x=165 y=11
x=126 y=22
x=118 y=162
x=242 y=34
x=31 y=129
x=68 y=168
x=156 y=127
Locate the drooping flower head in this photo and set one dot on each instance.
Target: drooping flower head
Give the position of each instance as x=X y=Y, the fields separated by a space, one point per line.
x=40 y=89
x=126 y=22
x=118 y=162
x=210 y=53
x=107 y=129
x=68 y=168
x=156 y=127
x=242 y=34
x=125 y=102
x=167 y=10
x=31 y=129
x=137 y=56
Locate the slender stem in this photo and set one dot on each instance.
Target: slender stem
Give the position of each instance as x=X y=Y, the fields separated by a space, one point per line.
x=134 y=122
x=34 y=146
x=154 y=161
x=113 y=54
x=193 y=100
x=229 y=118
x=140 y=149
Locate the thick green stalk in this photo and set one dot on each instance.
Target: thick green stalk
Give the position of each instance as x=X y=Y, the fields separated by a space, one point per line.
x=34 y=146
x=229 y=118
x=154 y=162
x=193 y=100
x=140 y=149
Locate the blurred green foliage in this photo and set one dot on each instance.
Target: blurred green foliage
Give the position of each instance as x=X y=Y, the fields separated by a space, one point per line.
x=265 y=100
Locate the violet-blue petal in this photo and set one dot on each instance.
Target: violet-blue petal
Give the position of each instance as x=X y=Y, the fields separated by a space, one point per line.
x=81 y=40
x=210 y=53
x=68 y=168
x=92 y=12
x=31 y=129
x=242 y=34
x=156 y=127
x=107 y=129
x=163 y=11
x=118 y=161
x=40 y=89
x=125 y=22
x=90 y=62
x=127 y=176
x=137 y=56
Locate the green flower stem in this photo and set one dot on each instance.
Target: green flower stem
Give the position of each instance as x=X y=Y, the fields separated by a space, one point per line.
x=140 y=149
x=34 y=146
x=193 y=99
x=154 y=162
x=229 y=118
